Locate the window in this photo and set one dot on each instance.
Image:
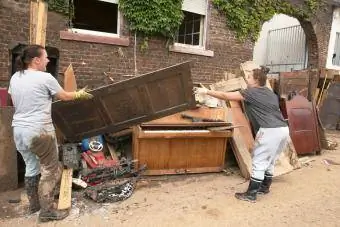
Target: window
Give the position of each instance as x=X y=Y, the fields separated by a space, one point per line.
x=336 y=53
x=191 y=30
x=96 y=16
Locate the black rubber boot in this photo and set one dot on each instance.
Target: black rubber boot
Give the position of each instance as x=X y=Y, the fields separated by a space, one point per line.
x=31 y=187
x=52 y=215
x=264 y=188
x=250 y=194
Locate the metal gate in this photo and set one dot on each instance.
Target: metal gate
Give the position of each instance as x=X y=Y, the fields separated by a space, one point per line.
x=336 y=54
x=286 y=49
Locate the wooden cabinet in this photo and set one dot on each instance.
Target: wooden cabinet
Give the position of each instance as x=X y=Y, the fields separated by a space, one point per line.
x=184 y=150
x=179 y=151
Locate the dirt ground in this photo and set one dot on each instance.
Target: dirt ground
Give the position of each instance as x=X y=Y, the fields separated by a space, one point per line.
x=305 y=197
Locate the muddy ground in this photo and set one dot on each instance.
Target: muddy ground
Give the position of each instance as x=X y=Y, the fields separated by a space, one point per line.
x=309 y=196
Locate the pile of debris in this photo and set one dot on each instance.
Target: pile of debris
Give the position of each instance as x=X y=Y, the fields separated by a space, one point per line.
x=107 y=175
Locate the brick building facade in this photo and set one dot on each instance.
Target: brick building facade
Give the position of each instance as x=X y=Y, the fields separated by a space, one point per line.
x=95 y=58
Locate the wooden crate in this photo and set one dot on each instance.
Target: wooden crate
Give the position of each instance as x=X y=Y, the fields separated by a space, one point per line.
x=179 y=151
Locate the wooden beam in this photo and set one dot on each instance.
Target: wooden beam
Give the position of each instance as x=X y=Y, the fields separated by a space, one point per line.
x=38 y=22
x=65 y=190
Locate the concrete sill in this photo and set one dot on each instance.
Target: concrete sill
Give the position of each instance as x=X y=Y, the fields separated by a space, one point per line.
x=191 y=50
x=68 y=35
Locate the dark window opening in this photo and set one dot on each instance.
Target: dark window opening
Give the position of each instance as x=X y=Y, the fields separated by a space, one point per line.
x=95 y=15
x=52 y=53
x=190 y=30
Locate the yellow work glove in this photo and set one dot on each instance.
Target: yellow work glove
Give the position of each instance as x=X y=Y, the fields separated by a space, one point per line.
x=82 y=95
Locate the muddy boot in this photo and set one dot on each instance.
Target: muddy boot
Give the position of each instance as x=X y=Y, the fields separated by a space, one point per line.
x=264 y=188
x=31 y=187
x=250 y=194
x=53 y=215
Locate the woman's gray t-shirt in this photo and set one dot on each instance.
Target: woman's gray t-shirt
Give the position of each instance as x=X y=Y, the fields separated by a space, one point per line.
x=262 y=107
x=32 y=93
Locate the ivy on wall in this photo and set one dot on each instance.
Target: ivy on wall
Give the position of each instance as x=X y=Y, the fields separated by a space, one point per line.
x=153 y=17
x=246 y=17
x=163 y=17
x=64 y=7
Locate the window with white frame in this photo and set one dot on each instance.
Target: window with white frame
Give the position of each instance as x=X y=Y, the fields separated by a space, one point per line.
x=96 y=17
x=192 y=29
x=336 y=53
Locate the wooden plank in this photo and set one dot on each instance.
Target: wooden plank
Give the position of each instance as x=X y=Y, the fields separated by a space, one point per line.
x=202 y=112
x=182 y=134
x=112 y=151
x=234 y=84
x=65 y=190
x=242 y=154
x=316 y=95
x=187 y=125
x=240 y=148
x=38 y=22
x=224 y=128
x=239 y=118
x=70 y=83
x=183 y=171
x=288 y=160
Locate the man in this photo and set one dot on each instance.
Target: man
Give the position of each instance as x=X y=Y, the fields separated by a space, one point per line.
x=272 y=132
x=31 y=90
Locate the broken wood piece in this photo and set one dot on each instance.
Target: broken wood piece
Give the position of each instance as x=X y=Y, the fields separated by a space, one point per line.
x=65 y=190
x=229 y=85
x=287 y=161
x=79 y=182
x=316 y=95
x=242 y=154
x=239 y=118
x=70 y=83
x=222 y=128
x=112 y=151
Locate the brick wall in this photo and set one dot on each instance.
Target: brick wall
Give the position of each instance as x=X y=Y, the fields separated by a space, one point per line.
x=92 y=61
x=317 y=32
x=14 y=28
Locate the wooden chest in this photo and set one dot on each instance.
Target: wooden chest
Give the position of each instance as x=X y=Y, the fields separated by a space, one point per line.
x=179 y=151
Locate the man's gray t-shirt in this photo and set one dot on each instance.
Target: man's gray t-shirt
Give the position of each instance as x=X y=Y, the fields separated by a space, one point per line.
x=262 y=107
x=31 y=93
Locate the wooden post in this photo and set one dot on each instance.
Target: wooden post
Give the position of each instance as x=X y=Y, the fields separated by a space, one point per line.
x=38 y=21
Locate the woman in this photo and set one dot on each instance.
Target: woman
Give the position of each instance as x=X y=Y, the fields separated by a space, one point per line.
x=31 y=90
x=272 y=132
